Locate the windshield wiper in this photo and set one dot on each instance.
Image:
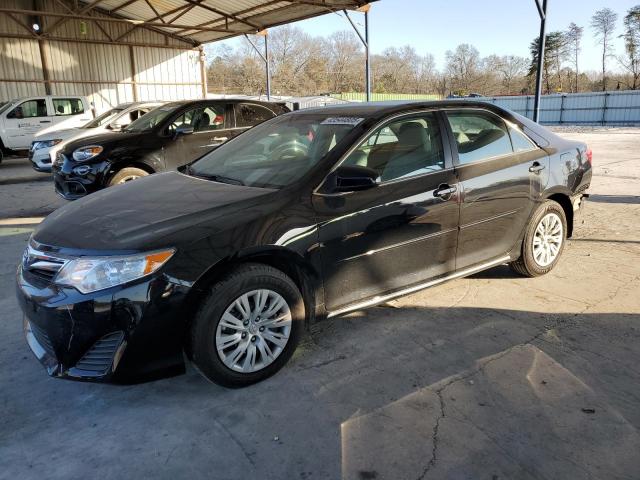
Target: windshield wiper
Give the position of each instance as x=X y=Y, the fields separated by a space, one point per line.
x=213 y=177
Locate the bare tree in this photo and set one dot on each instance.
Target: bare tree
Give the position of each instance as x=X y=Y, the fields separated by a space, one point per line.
x=631 y=38
x=574 y=38
x=463 y=65
x=603 y=22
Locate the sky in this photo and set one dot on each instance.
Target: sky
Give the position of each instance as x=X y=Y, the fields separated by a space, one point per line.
x=500 y=27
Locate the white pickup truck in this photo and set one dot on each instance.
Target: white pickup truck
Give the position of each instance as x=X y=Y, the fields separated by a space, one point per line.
x=22 y=118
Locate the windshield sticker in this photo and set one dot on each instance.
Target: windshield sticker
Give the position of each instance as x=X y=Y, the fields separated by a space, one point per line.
x=353 y=121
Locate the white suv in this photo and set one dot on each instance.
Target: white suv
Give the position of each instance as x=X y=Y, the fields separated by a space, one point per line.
x=50 y=140
x=22 y=118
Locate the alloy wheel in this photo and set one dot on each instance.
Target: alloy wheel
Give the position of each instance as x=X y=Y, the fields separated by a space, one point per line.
x=547 y=239
x=253 y=331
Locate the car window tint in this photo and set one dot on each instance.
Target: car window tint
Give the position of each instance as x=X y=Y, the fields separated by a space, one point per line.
x=211 y=118
x=29 y=109
x=67 y=106
x=520 y=141
x=186 y=119
x=479 y=136
x=402 y=149
x=249 y=115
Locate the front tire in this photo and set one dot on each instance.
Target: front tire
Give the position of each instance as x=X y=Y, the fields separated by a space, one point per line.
x=543 y=241
x=248 y=327
x=126 y=175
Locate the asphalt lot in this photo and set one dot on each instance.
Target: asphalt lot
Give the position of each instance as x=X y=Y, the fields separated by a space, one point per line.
x=488 y=377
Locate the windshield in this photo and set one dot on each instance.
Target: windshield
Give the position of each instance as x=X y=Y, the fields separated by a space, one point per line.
x=151 y=119
x=100 y=120
x=7 y=105
x=275 y=153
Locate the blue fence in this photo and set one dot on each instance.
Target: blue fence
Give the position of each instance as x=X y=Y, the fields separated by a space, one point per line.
x=595 y=108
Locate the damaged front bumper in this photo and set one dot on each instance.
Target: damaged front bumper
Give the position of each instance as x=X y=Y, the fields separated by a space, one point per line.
x=123 y=334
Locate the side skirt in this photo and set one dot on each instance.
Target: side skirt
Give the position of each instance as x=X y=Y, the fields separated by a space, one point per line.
x=385 y=298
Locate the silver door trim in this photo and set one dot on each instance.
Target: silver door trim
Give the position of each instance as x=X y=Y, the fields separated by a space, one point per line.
x=385 y=298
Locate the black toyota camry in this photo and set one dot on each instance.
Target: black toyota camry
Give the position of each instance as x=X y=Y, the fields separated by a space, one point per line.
x=309 y=215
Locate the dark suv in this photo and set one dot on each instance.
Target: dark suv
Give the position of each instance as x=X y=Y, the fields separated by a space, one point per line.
x=164 y=139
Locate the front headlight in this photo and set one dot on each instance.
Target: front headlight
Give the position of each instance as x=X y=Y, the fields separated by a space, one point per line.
x=90 y=274
x=83 y=154
x=45 y=144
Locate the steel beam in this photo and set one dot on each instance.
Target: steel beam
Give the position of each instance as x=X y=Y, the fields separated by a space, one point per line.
x=365 y=42
x=265 y=59
x=542 y=10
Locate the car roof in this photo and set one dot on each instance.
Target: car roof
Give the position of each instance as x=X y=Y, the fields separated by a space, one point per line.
x=381 y=109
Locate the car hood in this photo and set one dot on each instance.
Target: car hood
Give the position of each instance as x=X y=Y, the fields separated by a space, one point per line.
x=52 y=133
x=104 y=139
x=157 y=211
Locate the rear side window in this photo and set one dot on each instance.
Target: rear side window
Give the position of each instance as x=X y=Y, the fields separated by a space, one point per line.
x=67 y=106
x=479 y=136
x=520 y=141
x=29 y=109
x=249 y=115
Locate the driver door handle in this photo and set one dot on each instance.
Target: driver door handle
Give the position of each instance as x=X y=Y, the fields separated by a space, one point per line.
x=445 y=191
x=219 y=139
x=537 y=167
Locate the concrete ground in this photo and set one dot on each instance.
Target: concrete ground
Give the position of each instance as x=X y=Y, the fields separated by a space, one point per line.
x=489 y=377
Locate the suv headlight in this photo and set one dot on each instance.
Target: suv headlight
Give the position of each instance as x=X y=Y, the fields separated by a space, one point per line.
x=45 y=144
x=90 y=274
x=83 y=154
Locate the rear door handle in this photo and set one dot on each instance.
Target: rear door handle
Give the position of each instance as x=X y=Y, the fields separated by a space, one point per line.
x=537 y=167
x=445 y=191
x=219 y=139
x=45 y=121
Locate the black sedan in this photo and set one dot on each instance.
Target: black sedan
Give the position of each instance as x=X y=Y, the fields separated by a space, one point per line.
x=162 y=140
x=311 y=214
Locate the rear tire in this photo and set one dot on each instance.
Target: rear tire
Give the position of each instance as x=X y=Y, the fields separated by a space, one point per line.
x=245 y=349
x=543 y=242
x=126 y=175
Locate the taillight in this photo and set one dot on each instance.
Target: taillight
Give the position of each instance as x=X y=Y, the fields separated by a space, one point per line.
x=589 y=155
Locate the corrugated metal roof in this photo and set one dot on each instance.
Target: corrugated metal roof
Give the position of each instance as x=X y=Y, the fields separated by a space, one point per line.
x=202 y=21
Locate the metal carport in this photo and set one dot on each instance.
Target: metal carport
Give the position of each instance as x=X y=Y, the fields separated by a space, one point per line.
x=137 y=34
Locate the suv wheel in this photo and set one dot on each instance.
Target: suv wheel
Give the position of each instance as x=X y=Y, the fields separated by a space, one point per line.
x=126 y=175
x=248 y=327
x=543 y=242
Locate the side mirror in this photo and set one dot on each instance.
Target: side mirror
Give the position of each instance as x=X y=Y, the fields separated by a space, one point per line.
x=183 y=131
x=352 y=178
x=116 y=127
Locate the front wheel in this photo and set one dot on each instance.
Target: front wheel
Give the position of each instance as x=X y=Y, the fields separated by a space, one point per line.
x=126 y=175
x=248 y=327
x=543 y=242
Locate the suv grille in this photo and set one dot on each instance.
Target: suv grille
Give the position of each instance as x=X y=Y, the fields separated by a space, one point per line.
x=99 y=358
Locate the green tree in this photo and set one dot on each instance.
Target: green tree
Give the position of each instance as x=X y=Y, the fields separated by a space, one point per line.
x=631 y=38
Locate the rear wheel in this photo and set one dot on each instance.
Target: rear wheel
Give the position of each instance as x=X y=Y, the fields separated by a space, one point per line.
x=248 y=327
x=543 y=241
x=126 y=175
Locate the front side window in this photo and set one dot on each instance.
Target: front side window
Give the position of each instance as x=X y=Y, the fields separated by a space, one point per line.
x=275 y=153
x=248 y=115
x=211 y=118
x=152 y=119
x=479 y=135
x=67 y=106
x=402 y=149
x=29 y=109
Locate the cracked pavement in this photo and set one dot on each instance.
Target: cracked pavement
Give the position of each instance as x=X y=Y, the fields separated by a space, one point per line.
x=492 y=376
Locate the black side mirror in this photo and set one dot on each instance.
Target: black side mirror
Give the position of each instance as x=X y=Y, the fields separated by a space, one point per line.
x=184 y=130
x=352 y=178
